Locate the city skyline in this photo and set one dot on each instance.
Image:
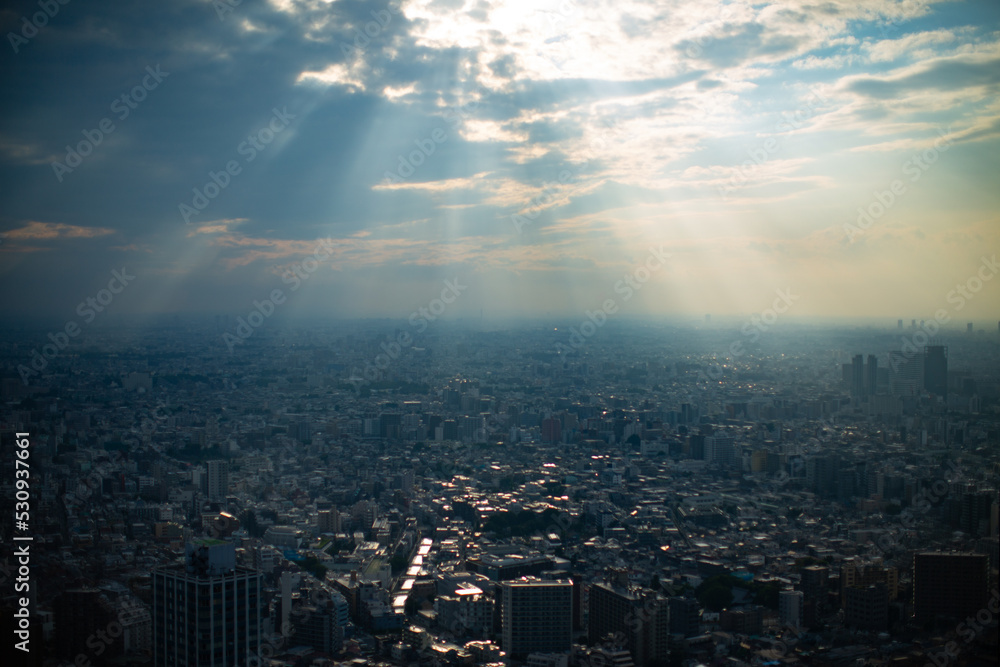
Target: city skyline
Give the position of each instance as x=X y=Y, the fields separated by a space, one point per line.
x=650 y=498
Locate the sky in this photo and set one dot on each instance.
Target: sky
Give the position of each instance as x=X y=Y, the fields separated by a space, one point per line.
x=545 y=158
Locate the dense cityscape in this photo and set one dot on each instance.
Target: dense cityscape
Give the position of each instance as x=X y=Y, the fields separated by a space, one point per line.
x=487 y=494
x=499 y=333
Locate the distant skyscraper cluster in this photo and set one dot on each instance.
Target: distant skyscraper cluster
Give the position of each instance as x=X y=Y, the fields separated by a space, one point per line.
x=905 y=374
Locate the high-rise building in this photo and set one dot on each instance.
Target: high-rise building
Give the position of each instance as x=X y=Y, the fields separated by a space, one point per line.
x=906 y=373
x=685 y=616
x=321 y=626
x=551 y=430
x=821 y=474
x=790 y=608
x=857 y=574
x=696 y=443
x=976 y=509
x=390 y=425
x=871 y=375
x=206 y=611
x=328 y=521
x=286 y=581
x=814 y=582
x=814 y=585
x=858 y=376
x=218 y=480
x=466 y=613
x=137 y=626
x=723 y=450
x=953 y=585
x=936 y=370
x=536 y=616
x=867 y=607
x=639 y=617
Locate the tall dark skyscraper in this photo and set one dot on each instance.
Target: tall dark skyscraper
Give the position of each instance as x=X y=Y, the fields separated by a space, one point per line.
x=536 y=616
x=866 y=607
x=218 y=480
x=858 y=376
x=936 y=370
x=206 y=612
x=685 y=616
x=871 y=375
x=640 y=616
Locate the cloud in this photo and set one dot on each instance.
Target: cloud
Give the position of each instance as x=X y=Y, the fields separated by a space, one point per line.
x=337 y=74
x=56 y=231
x=23 y=153
x=944 y=74
x=615 y=121
x=216 y=226
x=912 y=47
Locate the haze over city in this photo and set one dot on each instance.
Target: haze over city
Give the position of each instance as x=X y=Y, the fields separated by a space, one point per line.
x=485 y=333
